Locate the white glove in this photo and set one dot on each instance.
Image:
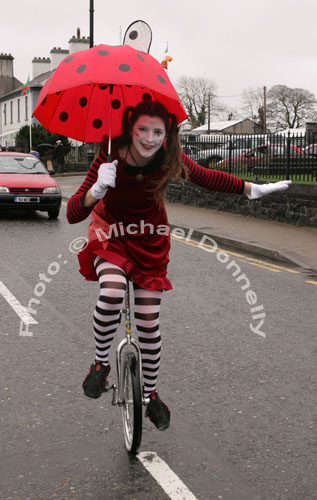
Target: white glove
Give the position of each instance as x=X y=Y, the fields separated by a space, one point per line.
x=106 y=178
x=258 y=190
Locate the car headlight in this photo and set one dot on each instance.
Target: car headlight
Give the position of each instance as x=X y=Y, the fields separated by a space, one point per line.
x=52 y=190
x=4 y=189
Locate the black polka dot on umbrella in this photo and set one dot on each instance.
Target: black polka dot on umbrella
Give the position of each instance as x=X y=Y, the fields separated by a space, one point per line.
x=81 y=68
x=124 y=67
x=97 y=123
x=68 y=59
x=103 y=52
x=102 y=86
x=133 y=35
x=161 y=79
x=83 y=102
x=140 y=57
x=44 y=101
x=63 y=116
x=146 y=97
x=116 y=104
x=57 y=93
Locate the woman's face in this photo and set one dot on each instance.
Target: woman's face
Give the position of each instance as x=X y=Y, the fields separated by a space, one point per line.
x=148 y=134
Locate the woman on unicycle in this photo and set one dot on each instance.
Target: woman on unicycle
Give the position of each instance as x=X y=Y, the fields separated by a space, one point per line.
x=129 y=235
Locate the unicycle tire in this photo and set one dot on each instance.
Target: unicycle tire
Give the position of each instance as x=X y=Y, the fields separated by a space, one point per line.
x=131 y=403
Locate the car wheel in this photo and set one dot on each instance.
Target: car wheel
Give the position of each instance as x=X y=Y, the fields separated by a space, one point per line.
x=53 y=214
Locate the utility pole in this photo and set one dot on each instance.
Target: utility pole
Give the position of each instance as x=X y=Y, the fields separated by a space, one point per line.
x=30 y=113
x=264 y=110
x=208 y=113
x=91 y=17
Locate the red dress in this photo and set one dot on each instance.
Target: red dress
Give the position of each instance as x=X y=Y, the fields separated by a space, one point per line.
x=127 y=227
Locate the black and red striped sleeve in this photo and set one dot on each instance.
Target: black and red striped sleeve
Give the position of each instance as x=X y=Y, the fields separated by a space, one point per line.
x=75 y=210
x=213 y=180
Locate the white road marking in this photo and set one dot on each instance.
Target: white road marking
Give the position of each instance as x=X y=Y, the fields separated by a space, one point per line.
x=20 y=310
x=165 y=477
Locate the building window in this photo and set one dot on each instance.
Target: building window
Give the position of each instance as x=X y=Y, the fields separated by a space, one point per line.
x=11 y=111
x=5 y=114
x=26 y=107
x=18 y=110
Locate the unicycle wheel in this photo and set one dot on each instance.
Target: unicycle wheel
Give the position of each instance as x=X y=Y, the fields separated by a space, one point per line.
x=131 y=403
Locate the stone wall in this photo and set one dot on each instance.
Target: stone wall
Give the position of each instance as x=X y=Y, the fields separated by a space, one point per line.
x=297 y=205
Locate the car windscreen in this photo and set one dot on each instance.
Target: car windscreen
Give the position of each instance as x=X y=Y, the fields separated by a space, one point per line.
x=21 y=165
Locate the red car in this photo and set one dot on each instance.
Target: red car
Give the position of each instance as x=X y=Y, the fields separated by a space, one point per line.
x=311 y=150
x=260 y=155
x=26 y=184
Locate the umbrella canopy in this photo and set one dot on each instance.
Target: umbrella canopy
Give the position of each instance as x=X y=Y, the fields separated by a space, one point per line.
x=86 y=96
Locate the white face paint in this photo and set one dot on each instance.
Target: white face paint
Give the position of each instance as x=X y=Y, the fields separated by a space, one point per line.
x=148 y=135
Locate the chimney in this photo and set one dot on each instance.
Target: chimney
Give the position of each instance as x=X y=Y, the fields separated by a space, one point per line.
x=40 y=65
x=77 y=43
x=57 y=55
x=6 y=65
x=8 y=82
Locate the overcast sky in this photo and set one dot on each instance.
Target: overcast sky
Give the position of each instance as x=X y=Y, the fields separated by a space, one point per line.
x=237 y=43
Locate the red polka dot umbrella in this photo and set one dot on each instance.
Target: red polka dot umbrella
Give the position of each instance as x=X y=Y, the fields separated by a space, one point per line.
x=86 y=95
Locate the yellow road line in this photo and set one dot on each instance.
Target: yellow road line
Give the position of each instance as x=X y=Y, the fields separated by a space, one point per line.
x=275 y=266
x=312 y=282
x=255 y=262
x=265 y=267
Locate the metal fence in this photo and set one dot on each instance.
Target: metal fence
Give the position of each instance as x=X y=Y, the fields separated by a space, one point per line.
x=266 y=156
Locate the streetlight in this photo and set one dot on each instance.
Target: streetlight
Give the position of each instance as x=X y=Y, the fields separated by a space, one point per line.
x=91 y=17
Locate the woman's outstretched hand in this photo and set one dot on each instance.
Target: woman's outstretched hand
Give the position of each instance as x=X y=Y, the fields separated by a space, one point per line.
x=106 y=178
x=255 y=191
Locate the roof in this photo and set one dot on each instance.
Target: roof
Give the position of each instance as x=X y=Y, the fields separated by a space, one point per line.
x=292 y=131
x=37 y=82
x=40 y=79
x=219 y=125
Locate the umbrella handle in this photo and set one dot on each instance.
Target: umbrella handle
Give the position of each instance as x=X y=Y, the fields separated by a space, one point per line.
x=110 y=131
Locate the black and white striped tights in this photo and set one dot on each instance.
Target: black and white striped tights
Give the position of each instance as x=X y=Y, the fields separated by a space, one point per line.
x=112 y=281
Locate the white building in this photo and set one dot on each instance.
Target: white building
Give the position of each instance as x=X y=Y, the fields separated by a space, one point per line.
x=16 y=109
x=240 y=126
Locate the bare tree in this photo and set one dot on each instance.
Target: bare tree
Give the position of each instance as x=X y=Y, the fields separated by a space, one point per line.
x=252 y=101
x=198 y=95
x=289 y=108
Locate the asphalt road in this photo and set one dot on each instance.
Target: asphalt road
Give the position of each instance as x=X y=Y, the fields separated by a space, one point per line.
x=242 y=404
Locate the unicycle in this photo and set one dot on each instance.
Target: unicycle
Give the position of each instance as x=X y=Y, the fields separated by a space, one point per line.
x=128 y=392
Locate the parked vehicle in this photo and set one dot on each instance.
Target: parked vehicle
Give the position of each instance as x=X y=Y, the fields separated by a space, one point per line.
x=261 y=155
x=193 y=152
x=311 y=150
x=25 y=184
x=225 y=148
x=210 y=157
